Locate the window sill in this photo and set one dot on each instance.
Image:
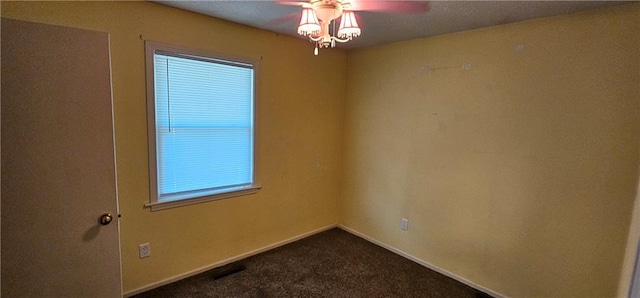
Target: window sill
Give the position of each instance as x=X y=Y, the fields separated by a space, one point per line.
x=156 y=206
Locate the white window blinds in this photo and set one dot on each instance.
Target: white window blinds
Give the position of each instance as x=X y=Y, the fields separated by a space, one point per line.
x=203 y=125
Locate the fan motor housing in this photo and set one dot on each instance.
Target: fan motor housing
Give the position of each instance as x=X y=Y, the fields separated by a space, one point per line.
x=327 y=10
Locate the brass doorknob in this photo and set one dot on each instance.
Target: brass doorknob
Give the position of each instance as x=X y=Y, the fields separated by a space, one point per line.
x=106 y=219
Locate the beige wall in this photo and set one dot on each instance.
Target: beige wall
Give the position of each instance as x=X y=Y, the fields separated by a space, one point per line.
x=299 y=133
x=518 y=174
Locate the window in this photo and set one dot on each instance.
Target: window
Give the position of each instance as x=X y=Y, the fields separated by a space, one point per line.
x=201 y=126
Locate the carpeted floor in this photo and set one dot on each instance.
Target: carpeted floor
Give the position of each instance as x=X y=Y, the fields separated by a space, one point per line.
x=333 y=263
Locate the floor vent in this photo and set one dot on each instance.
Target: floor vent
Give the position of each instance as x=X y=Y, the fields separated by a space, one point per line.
x=227 y=270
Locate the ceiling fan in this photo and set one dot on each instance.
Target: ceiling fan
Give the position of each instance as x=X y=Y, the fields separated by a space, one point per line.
x=318 y=20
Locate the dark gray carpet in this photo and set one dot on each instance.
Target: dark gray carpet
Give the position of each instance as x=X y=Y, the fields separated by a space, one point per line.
x=329 y=264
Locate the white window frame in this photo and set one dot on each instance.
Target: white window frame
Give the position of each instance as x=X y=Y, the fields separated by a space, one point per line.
x=150 y=49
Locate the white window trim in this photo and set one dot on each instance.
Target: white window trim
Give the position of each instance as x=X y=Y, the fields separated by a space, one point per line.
x=154 y=204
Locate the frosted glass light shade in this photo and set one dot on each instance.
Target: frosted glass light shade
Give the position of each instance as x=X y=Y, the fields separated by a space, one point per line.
x=348 y=26
x=309 y=24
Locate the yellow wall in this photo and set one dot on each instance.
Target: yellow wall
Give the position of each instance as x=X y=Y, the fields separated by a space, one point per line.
x=518 y=174
x=299 y=133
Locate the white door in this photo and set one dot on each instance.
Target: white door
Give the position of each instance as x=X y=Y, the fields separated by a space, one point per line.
x=58 y=165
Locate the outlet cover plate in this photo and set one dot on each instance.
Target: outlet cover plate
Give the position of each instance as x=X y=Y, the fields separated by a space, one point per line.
x=144 y=250
x=404 y=224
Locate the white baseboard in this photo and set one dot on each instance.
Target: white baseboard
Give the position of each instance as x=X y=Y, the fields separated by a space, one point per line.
x=424 y=263
x=223 y=262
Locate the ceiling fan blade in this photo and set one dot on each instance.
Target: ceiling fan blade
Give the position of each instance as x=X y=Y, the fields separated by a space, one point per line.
x=391 y=6
x=294 y=3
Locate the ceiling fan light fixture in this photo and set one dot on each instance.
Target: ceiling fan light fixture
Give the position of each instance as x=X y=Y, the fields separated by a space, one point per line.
x=319 y=19
x=309 y=24
x=348 y=26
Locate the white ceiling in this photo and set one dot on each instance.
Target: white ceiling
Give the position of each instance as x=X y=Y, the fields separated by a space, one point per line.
x=441 y=17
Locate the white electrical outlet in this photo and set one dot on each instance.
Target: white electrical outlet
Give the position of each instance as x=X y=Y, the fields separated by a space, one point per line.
x=144 y=250
x=404 y=224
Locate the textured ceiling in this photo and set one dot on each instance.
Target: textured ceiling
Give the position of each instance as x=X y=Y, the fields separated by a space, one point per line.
x=384 y=27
